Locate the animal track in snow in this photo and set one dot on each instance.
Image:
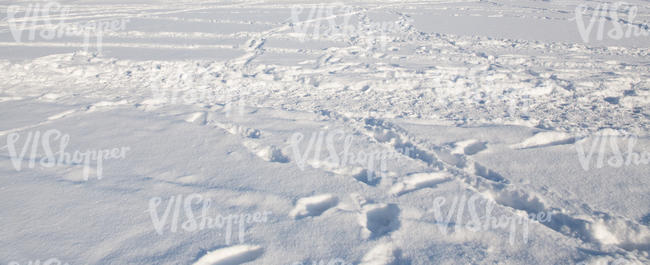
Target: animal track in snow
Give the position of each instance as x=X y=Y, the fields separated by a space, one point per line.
x=419 y=181
x=231 y=255
x=313 y=206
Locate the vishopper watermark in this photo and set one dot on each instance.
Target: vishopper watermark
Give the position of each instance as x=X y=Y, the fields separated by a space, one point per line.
x=604 y=15
x=483 y=222
x=334 y=21
x=610 y=149
x=51 y=261
x=36 y=19
x=60 y=158
x=184 y=205
x=375 y=163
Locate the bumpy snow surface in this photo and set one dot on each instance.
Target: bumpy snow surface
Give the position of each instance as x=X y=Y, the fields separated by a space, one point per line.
x=302 y=133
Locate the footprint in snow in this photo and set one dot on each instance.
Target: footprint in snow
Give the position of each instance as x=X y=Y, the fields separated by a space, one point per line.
x=419 y=181
x=379 y=219
x=270 y=153
x=382 y=254
x=313 y=206
x=469 y=147
x=544 y=139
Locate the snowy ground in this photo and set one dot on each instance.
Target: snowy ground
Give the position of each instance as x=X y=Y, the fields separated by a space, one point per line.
x=364 y=132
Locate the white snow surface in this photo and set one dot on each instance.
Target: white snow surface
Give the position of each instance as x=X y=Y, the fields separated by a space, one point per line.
x=429 y=132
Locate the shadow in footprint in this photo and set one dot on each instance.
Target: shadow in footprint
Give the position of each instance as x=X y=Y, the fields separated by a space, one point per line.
x=379 y=219
x=646 y=219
